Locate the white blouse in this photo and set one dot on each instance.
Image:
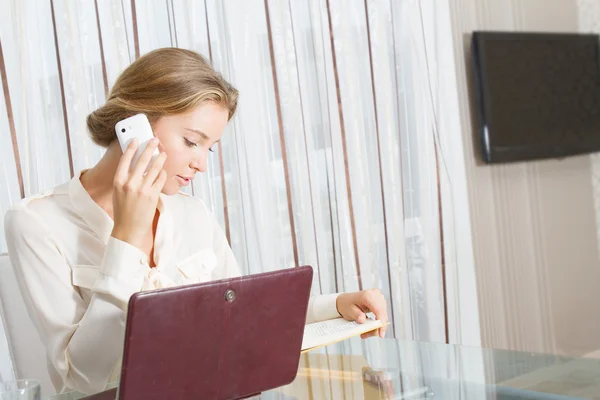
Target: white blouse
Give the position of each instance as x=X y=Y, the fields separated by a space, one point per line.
x=76 y=279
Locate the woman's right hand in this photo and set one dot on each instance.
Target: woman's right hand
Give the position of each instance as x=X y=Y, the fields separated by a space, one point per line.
x=135 y=195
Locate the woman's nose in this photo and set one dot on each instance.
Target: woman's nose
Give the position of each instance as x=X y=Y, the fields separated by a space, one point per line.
x=199 y=163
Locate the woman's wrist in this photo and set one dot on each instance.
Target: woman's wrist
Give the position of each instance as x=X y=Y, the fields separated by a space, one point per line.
x=125 y=235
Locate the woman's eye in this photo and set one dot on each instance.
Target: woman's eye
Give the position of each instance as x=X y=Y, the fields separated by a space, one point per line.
x=189 y=143
x=211 y=150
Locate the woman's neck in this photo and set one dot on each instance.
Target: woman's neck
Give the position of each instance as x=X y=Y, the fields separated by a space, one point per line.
x=98 y=181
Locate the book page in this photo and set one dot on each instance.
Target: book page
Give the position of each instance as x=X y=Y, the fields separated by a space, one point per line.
x=322 y=333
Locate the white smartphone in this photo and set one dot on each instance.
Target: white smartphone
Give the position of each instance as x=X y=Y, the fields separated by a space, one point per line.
x=138 y=127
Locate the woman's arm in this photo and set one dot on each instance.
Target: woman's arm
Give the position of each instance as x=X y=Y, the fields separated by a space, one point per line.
x=351 y=306
x=84 y=343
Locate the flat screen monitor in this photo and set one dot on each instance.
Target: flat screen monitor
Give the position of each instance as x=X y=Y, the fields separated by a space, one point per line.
x=537 y=94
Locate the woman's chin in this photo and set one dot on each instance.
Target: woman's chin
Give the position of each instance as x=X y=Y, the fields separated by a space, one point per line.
x=171 y=188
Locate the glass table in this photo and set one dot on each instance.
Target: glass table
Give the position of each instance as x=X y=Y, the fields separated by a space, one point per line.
x=396 y=369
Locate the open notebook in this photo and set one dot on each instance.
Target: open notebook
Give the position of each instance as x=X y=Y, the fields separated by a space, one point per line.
x=323 y=333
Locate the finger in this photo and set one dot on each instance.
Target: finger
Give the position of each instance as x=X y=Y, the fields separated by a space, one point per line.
x=160 y=181
x=122 y=173
x=376 y=303
x=388 y=389
x=370 y=334
x=155 y=168
x=375 y=376
x=356 y=314
x=144 y=160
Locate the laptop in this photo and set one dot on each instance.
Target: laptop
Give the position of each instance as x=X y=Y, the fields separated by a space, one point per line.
x=226 y=339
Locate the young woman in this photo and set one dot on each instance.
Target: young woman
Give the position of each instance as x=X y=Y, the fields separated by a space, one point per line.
x=82 y=249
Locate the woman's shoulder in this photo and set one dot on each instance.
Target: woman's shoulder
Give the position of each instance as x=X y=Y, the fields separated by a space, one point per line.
x=49 y=198
x=192 y=216
x=189 y=200
x=36 y=208
x=190 y=207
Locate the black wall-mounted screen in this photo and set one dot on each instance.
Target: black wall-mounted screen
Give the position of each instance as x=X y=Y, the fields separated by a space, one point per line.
x=537 y=94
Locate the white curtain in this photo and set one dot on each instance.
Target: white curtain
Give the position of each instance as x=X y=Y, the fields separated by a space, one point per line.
x=335 y=169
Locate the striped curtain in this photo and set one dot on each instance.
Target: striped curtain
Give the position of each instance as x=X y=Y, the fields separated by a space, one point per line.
x=330 y=161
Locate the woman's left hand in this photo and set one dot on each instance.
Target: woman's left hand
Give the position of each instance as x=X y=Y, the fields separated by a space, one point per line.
x=354 y=306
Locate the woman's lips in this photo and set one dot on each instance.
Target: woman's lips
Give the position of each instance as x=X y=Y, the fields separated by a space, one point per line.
x=183 y=181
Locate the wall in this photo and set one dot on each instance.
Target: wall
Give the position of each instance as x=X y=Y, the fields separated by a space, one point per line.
x=326 y=163
x=589 y=21
x=533 y=224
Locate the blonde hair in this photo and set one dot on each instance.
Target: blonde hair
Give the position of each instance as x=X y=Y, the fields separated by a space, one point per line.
x=163 y=82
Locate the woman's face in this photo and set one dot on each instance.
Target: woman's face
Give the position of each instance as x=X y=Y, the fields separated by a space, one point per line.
x=187 y=138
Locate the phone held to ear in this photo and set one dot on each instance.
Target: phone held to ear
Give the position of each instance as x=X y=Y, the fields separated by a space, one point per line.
x=138 y=127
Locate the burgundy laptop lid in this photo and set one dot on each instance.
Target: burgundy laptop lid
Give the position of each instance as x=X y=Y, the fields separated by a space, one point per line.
x=224 y=339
